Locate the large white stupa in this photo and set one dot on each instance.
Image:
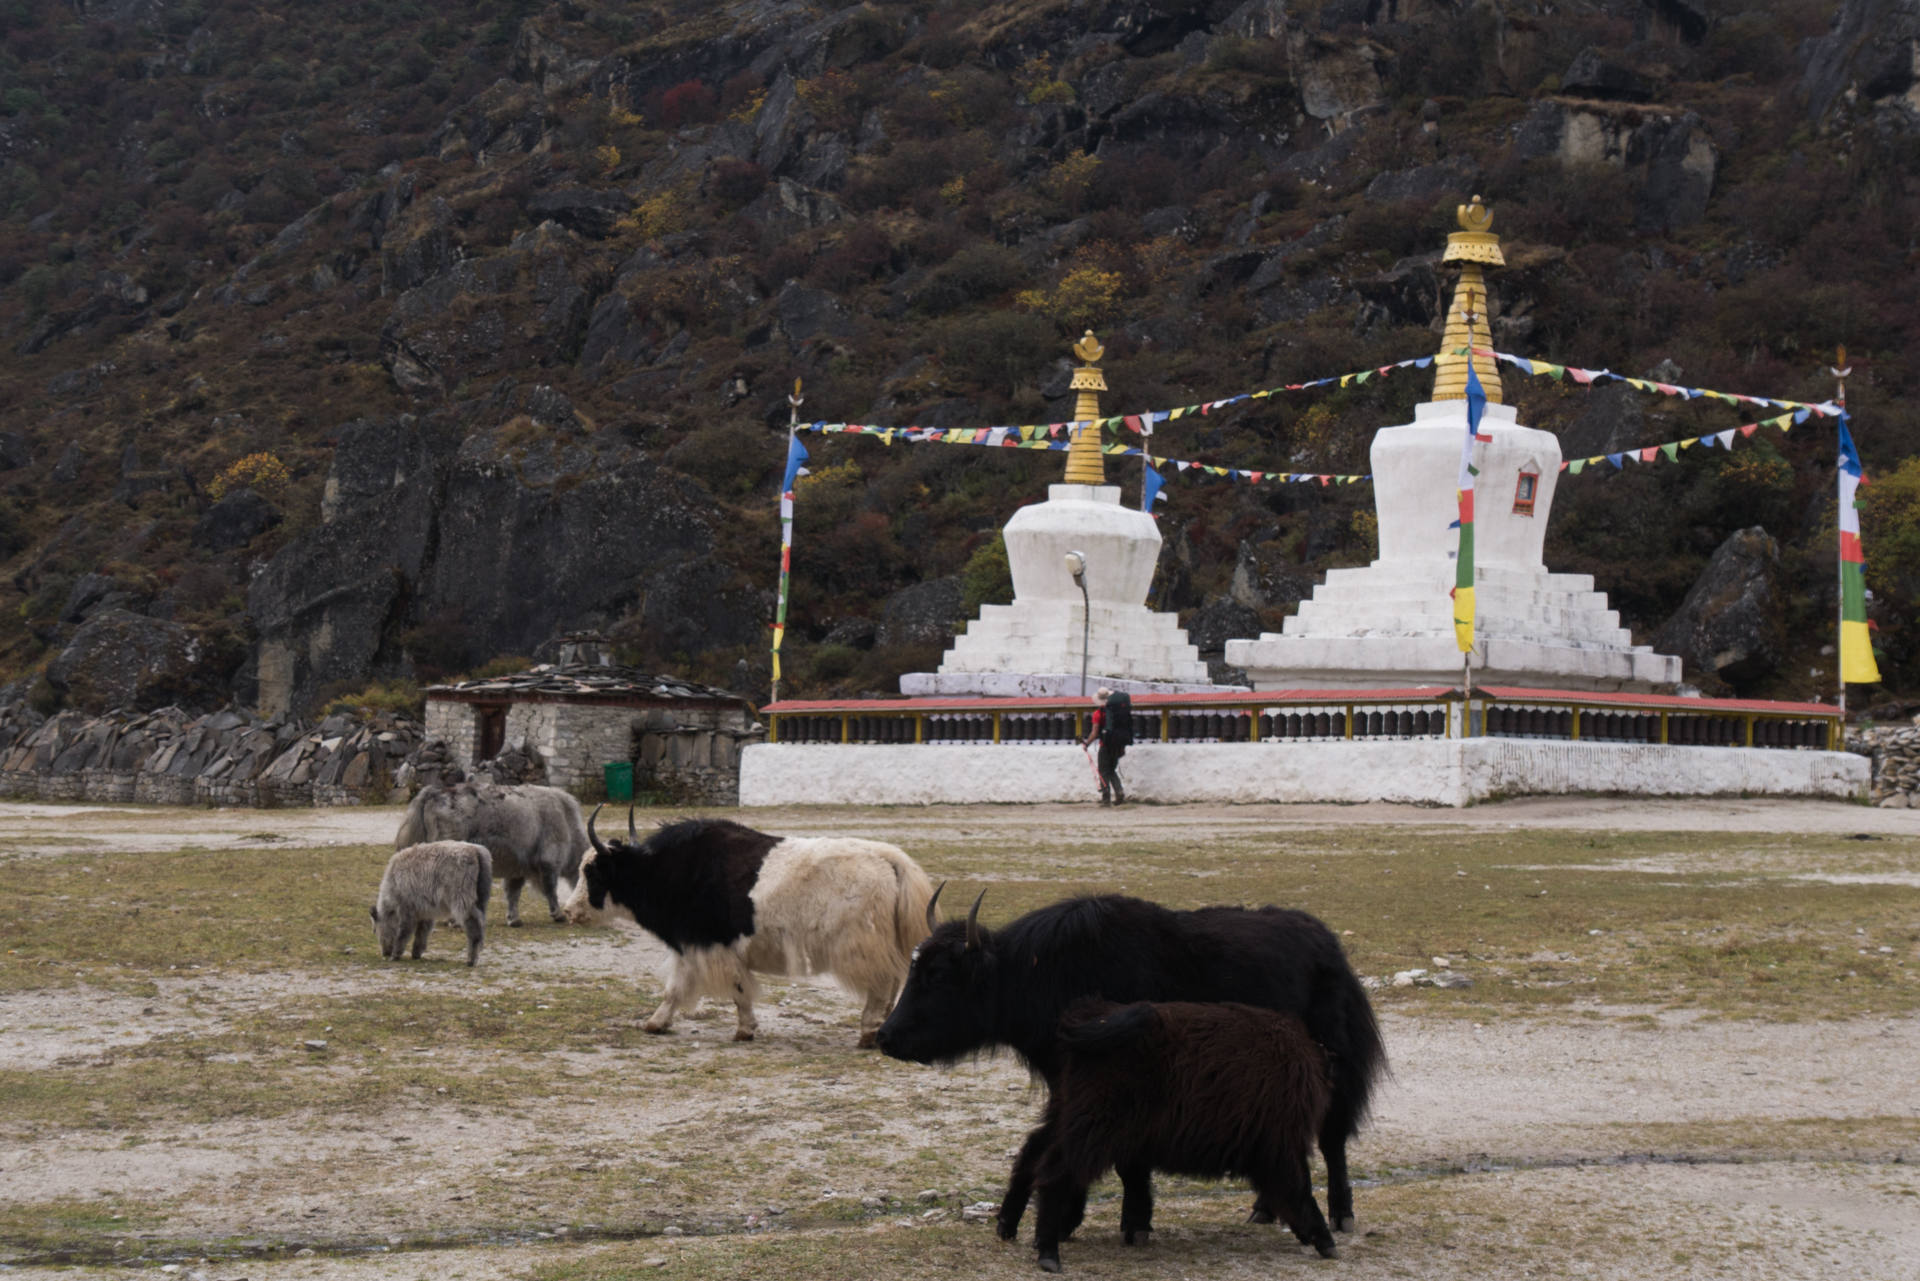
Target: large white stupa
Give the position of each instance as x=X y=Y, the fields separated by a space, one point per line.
x=1390 y=624
x=1036 y=646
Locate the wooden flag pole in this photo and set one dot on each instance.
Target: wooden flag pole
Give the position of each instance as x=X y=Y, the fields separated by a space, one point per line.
x=786 y=540
x=1840 y=369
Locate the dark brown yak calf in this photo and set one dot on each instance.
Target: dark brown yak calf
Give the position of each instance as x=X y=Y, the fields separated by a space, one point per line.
x=1204 y=1090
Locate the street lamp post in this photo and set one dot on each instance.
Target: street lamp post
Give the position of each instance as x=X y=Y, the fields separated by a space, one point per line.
x=1077 y=566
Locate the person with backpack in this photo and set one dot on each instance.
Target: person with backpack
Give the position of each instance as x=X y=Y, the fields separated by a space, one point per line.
x=1113 y=730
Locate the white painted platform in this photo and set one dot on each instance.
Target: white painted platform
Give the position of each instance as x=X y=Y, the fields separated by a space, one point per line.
x=1450 y=772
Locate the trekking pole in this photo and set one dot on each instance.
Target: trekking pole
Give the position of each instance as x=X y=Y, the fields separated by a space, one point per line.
x=1098 y=782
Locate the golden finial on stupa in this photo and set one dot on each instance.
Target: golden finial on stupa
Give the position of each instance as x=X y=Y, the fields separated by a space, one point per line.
x=1086 y=463
x=1467 y=323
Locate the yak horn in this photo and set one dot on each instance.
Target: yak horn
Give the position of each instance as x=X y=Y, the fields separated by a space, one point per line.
x=933 y=902
x=593 y=836
x=973 y=924
x=633 y=837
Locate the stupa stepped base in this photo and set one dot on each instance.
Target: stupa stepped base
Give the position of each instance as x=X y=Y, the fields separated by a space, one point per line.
x=1391 y=662
x=1045 y=635
x=1411 y=599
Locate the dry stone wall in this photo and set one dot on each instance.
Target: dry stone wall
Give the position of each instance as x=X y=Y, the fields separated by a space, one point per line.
x=168 y=757
x=1895 y=753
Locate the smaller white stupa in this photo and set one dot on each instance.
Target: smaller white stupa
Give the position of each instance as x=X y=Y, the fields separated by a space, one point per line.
x=1035 y=647
x=1390 y=625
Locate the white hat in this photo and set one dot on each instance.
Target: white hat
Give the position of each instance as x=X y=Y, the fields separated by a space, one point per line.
x=1102 y=694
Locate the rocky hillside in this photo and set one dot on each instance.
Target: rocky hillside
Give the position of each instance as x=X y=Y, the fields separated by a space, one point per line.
x=355 y=341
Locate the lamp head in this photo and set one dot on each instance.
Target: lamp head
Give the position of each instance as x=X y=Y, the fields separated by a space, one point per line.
x=1076 y=565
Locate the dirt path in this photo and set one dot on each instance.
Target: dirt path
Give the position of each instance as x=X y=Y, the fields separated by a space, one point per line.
x=28 y=827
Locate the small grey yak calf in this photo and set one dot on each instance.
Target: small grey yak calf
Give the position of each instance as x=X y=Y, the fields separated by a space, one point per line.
x=452 y=879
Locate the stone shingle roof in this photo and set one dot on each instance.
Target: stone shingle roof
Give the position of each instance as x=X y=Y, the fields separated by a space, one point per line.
x=585 y=681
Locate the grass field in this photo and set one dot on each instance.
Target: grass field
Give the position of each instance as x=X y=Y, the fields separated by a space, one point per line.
x=160 y=1101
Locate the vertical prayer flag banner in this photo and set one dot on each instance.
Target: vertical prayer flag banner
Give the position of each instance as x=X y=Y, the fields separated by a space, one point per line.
x=1857 y=666
x=796 y=454
x=1463 y=566
x=1150 y=491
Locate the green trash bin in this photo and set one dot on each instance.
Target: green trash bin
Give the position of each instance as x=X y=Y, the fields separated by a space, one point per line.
x=619 y=780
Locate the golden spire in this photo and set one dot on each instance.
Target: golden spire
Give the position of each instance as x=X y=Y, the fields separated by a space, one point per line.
x=1467 y=324
x=1086 y=464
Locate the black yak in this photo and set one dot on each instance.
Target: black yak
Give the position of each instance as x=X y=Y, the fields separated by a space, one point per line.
x=972 y=989
x=731 y=902
x=1203 y=1090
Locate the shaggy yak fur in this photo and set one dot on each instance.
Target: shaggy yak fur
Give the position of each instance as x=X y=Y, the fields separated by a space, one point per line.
x=1211 y=1091
x=531 y=832
x=973 y=989
x=451 y=879
x=731 y=902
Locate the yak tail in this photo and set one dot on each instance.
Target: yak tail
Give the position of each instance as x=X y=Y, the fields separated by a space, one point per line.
x=1105 y=1030
x=413 y=826
x=913 y=891
x=1341 y=1019
x=483 y=889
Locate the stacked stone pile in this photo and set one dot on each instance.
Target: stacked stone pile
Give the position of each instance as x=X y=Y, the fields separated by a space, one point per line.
x=430 y=765
x=1895 y=753
x=344 y=761
x=171 y=757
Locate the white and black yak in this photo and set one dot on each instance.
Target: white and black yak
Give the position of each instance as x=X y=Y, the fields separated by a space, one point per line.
x=424 y=883
x=532 y=832
x=732 y=902
x=972 y=989
x=1210 y=1091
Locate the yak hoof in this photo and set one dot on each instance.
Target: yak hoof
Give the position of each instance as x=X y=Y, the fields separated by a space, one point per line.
x=1328 y=1251
x=1004 y=1230
x=1260 y=1216
x=1143 y=1237
x=1344 y=1225
x=1049 y=1263
x=741 y=1034
x=663 y=1030
x=512 y=924
x=867 y=1041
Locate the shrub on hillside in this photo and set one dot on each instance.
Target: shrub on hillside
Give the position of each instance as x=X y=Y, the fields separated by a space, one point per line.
x=263 y=473
x=1002 y=350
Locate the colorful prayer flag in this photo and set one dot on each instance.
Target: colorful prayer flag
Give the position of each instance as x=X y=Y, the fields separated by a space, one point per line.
x=1463 y=563
x=1857 y=666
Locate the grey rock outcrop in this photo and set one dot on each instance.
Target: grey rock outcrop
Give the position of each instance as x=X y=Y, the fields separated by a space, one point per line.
x=924 y=614
x=518 y=308
x=591 y=211
x=1264 y=577
x=122 y=659
x=1594 y=75
x=235 y=521
x=1870 y=59
x=497 y=545
x=1336 y=77
x=1220 y=620
x=1672 y=157
x=1729 y=625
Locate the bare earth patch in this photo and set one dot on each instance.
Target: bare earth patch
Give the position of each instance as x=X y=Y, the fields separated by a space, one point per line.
x=1648 y=1077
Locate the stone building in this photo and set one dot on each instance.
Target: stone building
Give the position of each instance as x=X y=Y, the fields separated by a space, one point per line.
x=572 y=718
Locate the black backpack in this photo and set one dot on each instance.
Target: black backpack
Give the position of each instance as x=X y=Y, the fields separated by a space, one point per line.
x=1117 y=729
